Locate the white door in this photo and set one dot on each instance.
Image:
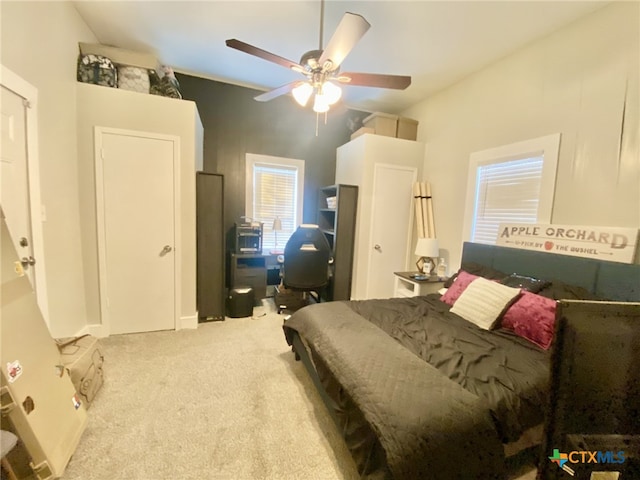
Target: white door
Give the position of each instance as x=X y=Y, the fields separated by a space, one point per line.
x=136 y=184
x=19 y=180
x=392 y=211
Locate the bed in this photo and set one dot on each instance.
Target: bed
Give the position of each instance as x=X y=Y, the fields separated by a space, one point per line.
x=421 y=388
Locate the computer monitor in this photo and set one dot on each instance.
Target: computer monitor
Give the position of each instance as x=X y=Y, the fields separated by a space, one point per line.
x=593 y=420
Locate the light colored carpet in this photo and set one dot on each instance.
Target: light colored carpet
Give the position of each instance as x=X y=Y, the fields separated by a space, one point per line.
x=225 y=401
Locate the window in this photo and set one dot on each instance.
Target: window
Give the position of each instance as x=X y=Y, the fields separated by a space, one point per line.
x=510 y=184
x=274 y=188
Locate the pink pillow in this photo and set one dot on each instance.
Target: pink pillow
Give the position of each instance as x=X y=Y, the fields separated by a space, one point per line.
x=532 y=317
x=455 y=290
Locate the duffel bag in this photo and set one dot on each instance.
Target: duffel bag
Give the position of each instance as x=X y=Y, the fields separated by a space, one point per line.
x=98 y=70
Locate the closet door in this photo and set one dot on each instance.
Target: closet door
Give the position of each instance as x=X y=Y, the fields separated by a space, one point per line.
x=391 y=215
x=136 y=199
x=210 y=246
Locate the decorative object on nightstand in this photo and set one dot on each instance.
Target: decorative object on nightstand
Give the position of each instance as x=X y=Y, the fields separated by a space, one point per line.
x=427 y=249
x=441 y=270
x=277 y=227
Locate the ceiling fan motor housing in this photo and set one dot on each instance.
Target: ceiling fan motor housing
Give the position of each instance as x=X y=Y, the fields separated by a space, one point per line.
x=309 y=61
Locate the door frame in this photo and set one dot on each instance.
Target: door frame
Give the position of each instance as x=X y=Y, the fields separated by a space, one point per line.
x=409 y=240
x=29 y=93
x=100 y=219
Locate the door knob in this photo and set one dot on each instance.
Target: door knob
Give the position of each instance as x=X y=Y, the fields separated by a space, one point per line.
x=165 y=250
x=26 y=261
x=377 y=247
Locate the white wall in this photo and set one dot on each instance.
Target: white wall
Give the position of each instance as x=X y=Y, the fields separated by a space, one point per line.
x=581 y=81
x=40 y=44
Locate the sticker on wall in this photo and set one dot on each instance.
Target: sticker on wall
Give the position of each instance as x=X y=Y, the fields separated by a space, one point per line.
x=14 y=370
x=76 y=401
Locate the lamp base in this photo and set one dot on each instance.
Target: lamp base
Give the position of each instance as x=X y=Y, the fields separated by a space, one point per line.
x=426 y=262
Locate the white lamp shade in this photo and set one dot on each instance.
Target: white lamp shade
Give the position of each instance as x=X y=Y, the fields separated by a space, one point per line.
x=302 y=93
x=427 y=247
x=331 y=92
x=277 y=224
x=320 y=104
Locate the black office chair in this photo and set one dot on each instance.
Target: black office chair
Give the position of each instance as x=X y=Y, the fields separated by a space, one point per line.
x=307 y=256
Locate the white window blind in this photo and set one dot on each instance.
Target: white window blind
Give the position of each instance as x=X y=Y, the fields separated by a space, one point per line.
x=513 y=183
x=506 y=192
x=275 y=194
x=274 y=189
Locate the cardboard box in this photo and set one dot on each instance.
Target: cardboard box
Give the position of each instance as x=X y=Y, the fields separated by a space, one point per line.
x=389 y=125
x=120 y=56
x=362 y=131
x=407 y=128
x=382 y=124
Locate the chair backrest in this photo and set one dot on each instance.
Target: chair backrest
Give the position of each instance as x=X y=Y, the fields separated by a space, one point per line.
x=306 y=259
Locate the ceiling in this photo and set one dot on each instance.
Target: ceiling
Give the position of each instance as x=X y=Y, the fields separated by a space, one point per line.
x=437 y=43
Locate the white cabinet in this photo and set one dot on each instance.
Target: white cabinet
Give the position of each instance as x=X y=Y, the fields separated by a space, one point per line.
x=384 y=169
x=103 y=108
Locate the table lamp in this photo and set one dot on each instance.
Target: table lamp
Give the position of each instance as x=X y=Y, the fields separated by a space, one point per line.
x=427 y=249
x=276 y=227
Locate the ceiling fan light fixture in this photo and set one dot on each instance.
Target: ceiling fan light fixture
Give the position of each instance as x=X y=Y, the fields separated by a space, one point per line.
x=320 y=104
x=302 y=93
x=331 y=92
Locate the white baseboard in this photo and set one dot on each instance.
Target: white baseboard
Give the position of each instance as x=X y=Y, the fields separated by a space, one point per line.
x=100 y=331
x=83 y=331
x=97 y=330
x=188 y=322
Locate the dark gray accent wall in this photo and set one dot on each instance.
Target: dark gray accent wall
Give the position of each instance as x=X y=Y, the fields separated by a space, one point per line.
x=235 y=124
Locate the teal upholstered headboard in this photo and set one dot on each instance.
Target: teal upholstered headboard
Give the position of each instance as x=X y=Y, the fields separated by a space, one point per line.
x=607 y=280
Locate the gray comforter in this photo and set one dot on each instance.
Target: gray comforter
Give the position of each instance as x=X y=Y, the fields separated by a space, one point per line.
x=507 y=372
x=429 y=426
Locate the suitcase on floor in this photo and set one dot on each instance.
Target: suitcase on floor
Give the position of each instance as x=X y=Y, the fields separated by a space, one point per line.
x=83 y=360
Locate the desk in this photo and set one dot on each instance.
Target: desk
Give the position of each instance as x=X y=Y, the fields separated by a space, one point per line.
x=254 y=270
x=405 y=286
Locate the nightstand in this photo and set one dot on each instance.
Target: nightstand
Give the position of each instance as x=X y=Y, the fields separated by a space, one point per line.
x=405 y=286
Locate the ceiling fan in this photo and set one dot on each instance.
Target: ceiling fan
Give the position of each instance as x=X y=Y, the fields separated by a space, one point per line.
x=322 y=67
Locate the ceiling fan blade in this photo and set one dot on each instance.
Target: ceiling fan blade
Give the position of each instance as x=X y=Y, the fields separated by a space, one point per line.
x=350 y=30
x=258 y=52
x=276 y=92
x=398 y=82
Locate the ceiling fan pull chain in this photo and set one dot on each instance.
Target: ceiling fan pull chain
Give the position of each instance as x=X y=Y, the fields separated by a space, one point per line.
x=317 y=117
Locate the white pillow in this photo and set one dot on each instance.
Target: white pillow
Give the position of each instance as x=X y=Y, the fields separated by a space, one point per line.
x=483 y=301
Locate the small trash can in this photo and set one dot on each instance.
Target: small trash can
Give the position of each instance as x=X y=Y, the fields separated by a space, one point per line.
x=240 y=302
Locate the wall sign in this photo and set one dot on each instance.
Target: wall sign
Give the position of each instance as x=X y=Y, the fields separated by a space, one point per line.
x=603 y=243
